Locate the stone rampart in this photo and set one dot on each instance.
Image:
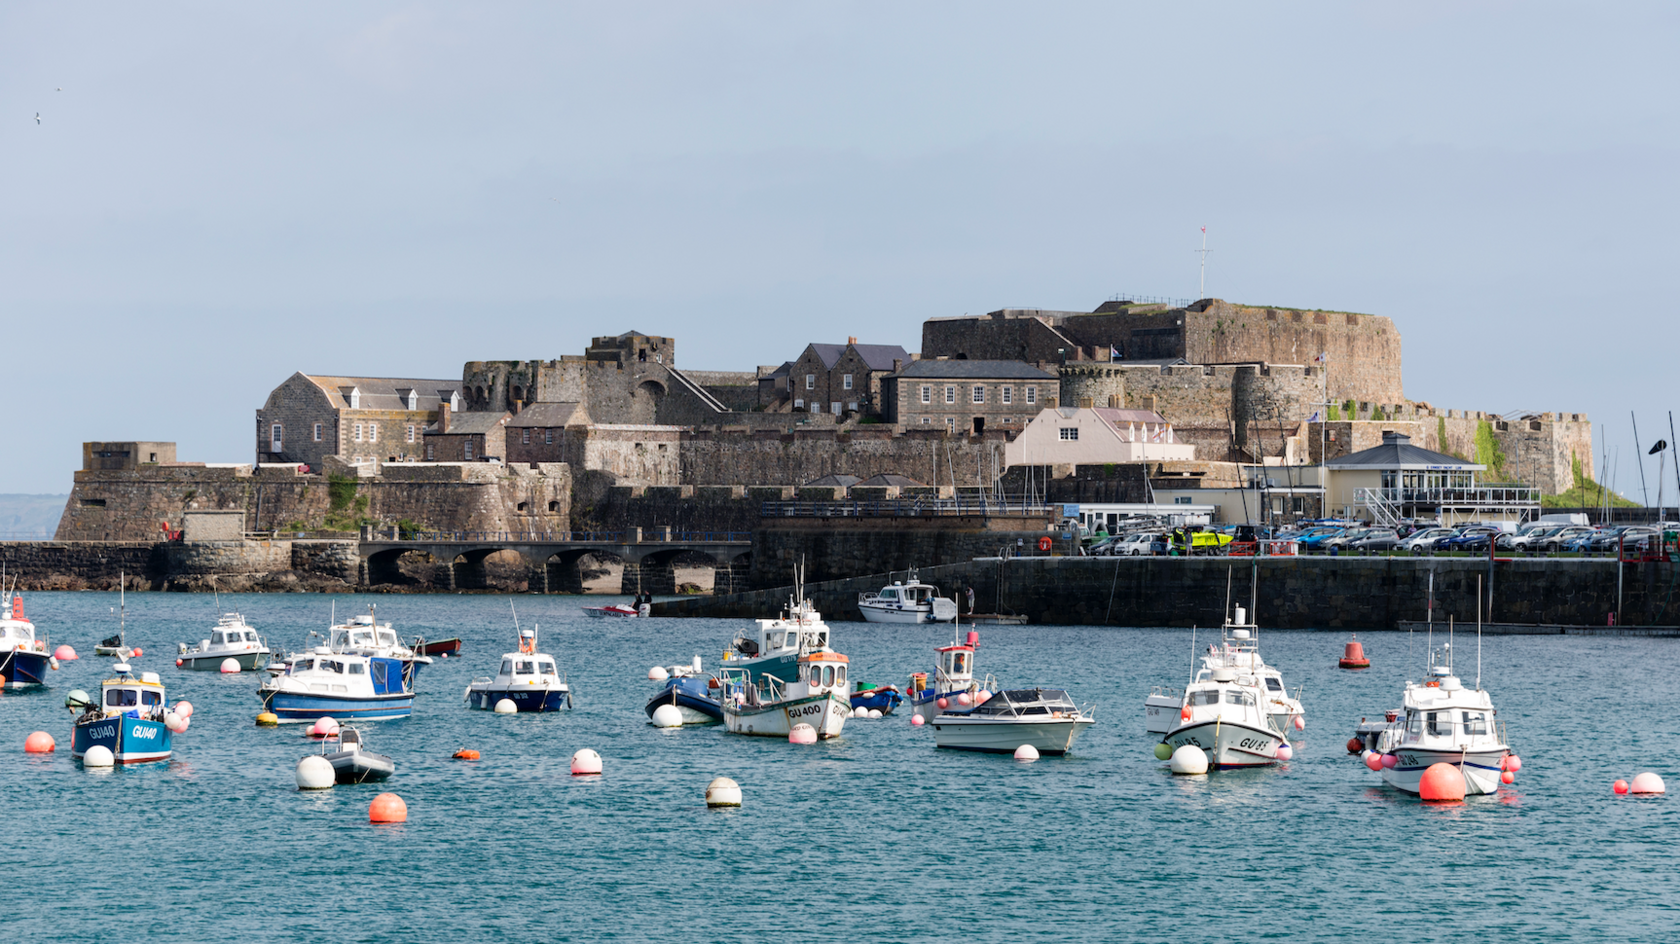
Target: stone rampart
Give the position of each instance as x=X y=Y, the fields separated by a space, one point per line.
x=837 y=548
x=1294 y=593
x=768 y=457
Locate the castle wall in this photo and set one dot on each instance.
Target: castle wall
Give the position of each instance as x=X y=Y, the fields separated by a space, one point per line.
x=1364 y=350
x=726 y=457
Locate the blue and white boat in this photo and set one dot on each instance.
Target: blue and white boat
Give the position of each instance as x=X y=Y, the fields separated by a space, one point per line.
x=366 y=636
x=527 y=678
x=953 y=676
x=883 y=698
x=131 y=718
x=694 y=694
x=24 y=660
x=324 y=683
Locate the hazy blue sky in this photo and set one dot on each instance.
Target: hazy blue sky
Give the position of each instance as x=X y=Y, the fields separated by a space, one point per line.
x=222 y=194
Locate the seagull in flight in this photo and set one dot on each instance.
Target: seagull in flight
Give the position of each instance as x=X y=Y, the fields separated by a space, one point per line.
x=37 y=117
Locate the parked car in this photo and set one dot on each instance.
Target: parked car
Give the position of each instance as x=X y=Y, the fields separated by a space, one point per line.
x=1530 y=538
x=1419 y=542
x=1143 y=545
x=1311 y=540
x=1465 y=536
x=1582 y=543
x=1339 y=543
x=1374 y=541
x=1556 y=540
x=1105 y=546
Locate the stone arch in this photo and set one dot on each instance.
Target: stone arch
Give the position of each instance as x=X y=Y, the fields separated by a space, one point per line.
x=563 y=571
x=518 y=392
x=403 y=566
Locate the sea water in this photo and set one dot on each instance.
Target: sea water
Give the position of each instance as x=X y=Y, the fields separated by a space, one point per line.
x=876 y=835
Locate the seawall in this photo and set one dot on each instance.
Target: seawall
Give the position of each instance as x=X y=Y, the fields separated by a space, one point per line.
x=1292 y=593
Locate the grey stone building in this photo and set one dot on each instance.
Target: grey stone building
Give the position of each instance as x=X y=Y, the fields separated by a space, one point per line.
x=967 y=396
x=362 y=420
x=841 y=379
x=467 y=437
x=542 y=432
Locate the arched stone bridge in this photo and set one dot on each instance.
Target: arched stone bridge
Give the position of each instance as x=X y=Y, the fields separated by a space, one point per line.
x=552 y=558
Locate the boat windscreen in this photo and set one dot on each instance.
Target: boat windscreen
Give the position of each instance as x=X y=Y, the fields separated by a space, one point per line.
x=1027 y=701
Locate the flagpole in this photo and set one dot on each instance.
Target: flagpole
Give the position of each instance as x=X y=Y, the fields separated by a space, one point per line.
x=1201 y=285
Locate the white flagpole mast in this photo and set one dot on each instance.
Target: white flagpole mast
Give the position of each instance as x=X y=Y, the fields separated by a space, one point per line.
x=1201 y=284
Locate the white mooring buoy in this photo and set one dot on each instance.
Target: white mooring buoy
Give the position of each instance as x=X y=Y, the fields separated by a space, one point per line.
x=667 y=716
x=315 y=772
x=1189 y=759
x=505 y=706
x=723 y=792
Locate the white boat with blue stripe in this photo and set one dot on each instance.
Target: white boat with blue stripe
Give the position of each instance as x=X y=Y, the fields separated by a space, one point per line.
x=527 y=678
x=1443 y=722
x=343 y=685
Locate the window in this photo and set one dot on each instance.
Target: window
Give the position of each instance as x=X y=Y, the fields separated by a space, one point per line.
x=1068 y=433
x=979 y=393
x=1233 y=697
x=1007 y=394
x=411 y=432
x=1204 y=698
x=927 y=393
x=507 y=667
x=317 y=432
x=834 y=407
x=548 y=437
x=356 y=668
x=810 y=381
x=121 y=698
x=799 y=404
x=373 y=432
x=151 y=698
x=525 y=437
x=467 y=450
x=846 y=381
x=526 y=668
x=414 y=399
x=274 y=437
x=950 y=424
x=816 y=407
x=431 y=452
x=545 y=667
x=1032 y=394
x=852 y=405
x=358 y=432
x=926 y=420
x=950 y=394
x=355 y=398
x=1182 y=500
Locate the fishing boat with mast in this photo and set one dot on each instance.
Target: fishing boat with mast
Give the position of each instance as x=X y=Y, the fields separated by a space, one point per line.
x=117 y=646
x=786 y=674
x=132 y=718
x=952 y=679
x=1441 y=721
x=231 y=638
x=527 y=678
x=24 y=658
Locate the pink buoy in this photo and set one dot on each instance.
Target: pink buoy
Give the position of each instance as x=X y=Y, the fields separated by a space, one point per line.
x=184 y=709
x=982 y=696
x=586 y=762
x=1507 y=777
x=943 y=704
x=1284 y=751
x=1389 y=760
x=65 y=654
x=1300 y=723
x=963 y=700
x=802 y=734
x=917 y=721
x=1647 y=783
x=1512 y=762
x=137 y=653
x=324 y=727
x=1373 y=760
x=1619 y=788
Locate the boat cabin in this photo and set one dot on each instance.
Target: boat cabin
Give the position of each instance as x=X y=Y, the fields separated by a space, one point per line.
x=1026 y=703
x=526 y=668
x=956 y=663
x=16 y=634
x=914 y=594
x=361 y=632
x=1222 y=694
x=773 y=637
x=327 y=671
x=823 y=671
x=242 y=637
x=137 y=697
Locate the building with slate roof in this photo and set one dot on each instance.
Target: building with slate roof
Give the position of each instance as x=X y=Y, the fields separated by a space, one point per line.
x=542 y=432
x=364 y=420
x=966 y=396
x=467 y=437
x=837 y=379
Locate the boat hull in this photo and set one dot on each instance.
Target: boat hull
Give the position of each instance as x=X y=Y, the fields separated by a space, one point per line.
x=619 y=612
x=1005 y=735
x=1229 y=745
x=130 y=740
x=351 y=767
x=443 y=648
x=1480 y=768
x=524 y=697
x=23 y=668
x=827 y=713
x=692 y=698
x=879 y=613
x=299 y=707
x=1161 y=712
x=194 y=662
x=883 y=699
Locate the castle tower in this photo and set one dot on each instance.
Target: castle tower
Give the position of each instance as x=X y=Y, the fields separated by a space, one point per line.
x=1092 y=386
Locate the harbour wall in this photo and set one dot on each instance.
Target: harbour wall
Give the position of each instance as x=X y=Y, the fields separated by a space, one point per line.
x=195 y=565
x=1293 y=592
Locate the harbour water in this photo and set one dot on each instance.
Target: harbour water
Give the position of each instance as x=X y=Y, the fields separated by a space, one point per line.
x=875 y=835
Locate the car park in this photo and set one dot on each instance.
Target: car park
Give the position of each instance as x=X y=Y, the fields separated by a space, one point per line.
x=1422 y=541
x=1374 y=541
x=1557 y=539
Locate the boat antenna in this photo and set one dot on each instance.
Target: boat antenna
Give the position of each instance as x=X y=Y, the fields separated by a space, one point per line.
x=1227 y=615
x=1192 y=652
x=1478 y=632
x=216 y=596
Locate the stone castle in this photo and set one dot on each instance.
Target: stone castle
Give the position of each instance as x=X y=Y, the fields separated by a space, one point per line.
x=569 y=442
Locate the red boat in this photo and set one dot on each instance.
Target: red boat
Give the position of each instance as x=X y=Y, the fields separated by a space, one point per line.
x=443 y=648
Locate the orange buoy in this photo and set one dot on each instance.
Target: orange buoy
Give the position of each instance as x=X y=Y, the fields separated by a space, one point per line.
x=1353 y=656
x=387 y=808
x=39 y=743
x=1442 y=783
x=465 y=754
x=1355 y=746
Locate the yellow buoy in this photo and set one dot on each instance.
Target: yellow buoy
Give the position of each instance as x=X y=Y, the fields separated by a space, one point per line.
x=267 y=719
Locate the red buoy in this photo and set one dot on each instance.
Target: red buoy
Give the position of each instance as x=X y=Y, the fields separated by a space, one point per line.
x=1355 y=746
x=1353 y=656
x=1442 y=783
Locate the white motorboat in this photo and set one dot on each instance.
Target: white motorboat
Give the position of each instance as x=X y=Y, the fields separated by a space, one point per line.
x=1224 y=714
x=351 y=761
x=1045 y=718
x=1443 y=722
x=366 y=636
x=527 y=678
x=343 y=685
x=232 y=638
x=1161 y=708
x=619 y=610
x=907 y=601
x=1239 y=649
x=773 y=646
x=953 y=676
x=765 y=705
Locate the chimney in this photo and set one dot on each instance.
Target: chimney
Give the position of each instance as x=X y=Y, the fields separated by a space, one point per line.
x=517 y=406
x=443 y=416
x=851 y=340
x=898 y=364
x=1114 y=401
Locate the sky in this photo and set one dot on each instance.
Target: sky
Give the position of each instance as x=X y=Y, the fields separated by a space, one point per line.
x=218 y=195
